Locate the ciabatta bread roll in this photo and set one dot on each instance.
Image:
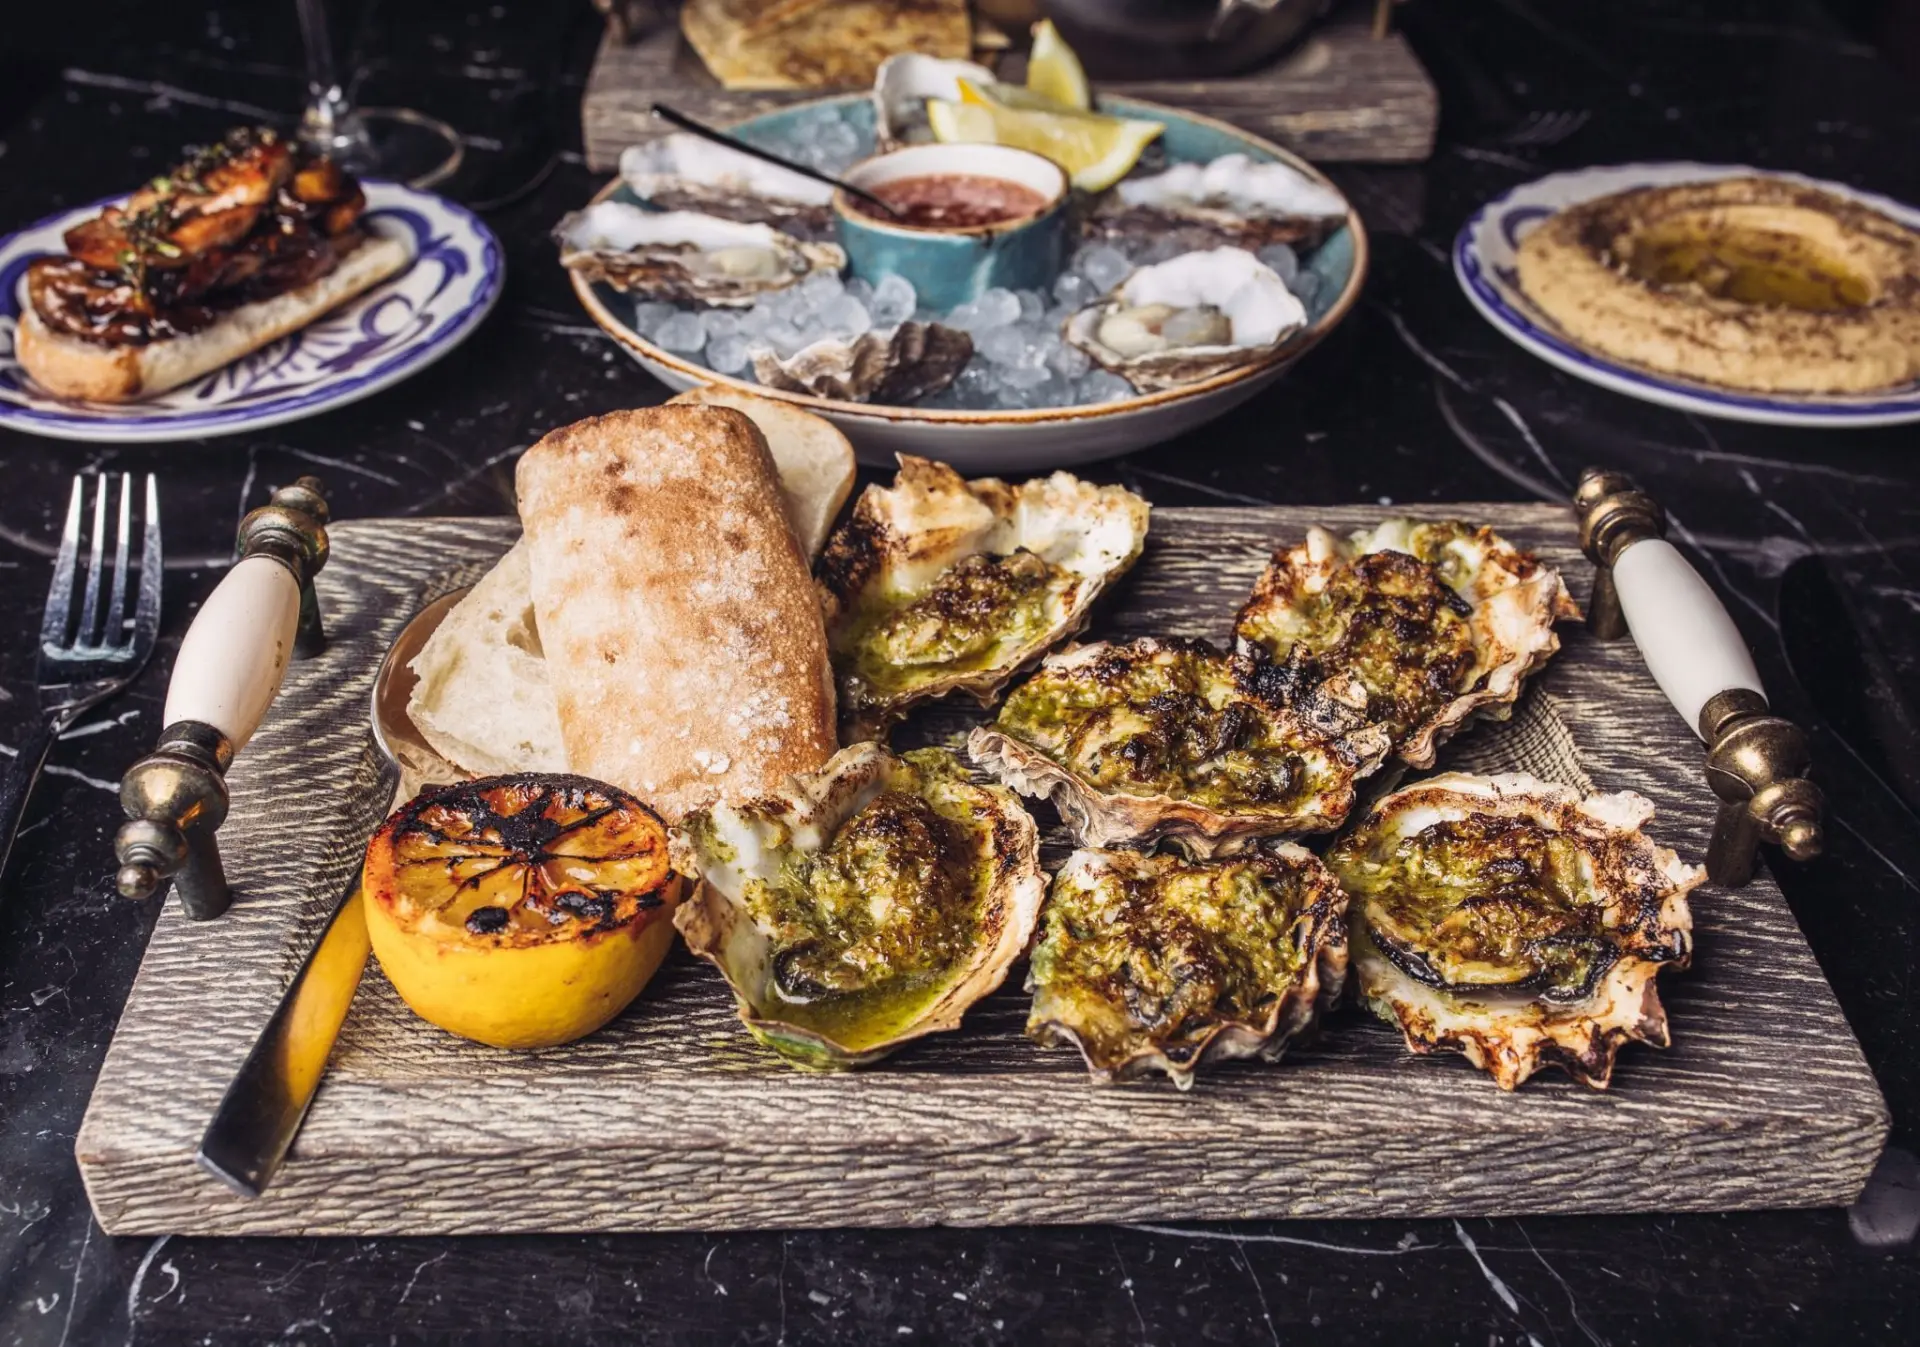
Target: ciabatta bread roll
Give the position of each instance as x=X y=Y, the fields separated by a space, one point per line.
x=813 y=458
x=682 y=633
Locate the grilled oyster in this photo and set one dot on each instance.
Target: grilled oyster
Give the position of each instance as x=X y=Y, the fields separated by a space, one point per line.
x=937 y=584
x=687 y=172
x=1440 y=621
x=1176 y=739
x=1511 y=920
x=868 y=904
x=683 y=257
x=1155 y=963
x=1233 y=201
x=1189 y=318
x=895 y=366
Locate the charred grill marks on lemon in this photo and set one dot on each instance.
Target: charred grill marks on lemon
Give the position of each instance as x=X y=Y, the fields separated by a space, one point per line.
x=1156 y=963
x=522 y=911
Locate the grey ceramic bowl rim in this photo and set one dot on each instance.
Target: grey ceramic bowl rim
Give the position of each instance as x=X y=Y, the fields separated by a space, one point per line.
x=845 y=210
x=1302 y=342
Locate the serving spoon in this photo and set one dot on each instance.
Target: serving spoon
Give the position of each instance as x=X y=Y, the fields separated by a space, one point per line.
x=718 y=137
x=262 y=1110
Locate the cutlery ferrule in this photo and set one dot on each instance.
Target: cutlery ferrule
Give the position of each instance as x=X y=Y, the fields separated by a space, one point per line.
x=175 y=800
x=291 y=528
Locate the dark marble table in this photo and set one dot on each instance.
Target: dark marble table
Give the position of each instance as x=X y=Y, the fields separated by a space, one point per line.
x=1414 y=400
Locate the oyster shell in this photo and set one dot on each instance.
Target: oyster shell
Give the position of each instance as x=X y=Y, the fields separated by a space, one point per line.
x=687 y=172
x=1234 y=200
x=1155 y=963
x=937 y=584
x=1175 y=739
x=1189 y=318
x=868 y=904
x=901 y=88
x=1515 y=922
x=683 y=257
x=1441 y=621
x=893 y=365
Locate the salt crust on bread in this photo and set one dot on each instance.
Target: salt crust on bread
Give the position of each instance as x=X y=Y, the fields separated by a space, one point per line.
x=71 y=367
x=684 y=637
x=814 y=459
x=483 y=700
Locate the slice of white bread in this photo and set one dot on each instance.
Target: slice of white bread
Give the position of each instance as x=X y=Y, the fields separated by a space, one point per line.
x=814 y=459
x=484 y=701
x=69 y=367
x=684 y=637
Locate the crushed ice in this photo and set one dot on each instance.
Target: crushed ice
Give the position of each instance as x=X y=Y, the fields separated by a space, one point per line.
x=1019 y=360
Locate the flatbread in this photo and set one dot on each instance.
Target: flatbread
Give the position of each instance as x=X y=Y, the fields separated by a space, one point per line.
x=817 y=44
x=682 y=633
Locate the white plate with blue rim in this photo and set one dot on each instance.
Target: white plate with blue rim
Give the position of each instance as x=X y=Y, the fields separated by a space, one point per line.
x=372 y=341
x=1025 y=439
x=1484 y=260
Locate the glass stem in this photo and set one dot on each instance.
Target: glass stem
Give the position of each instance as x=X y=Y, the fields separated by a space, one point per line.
x=322 y=125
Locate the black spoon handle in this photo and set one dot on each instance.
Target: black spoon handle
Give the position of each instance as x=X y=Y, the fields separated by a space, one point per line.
x=686 y=123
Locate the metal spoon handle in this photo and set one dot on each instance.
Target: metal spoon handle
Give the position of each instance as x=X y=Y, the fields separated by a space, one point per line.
x=686 y=123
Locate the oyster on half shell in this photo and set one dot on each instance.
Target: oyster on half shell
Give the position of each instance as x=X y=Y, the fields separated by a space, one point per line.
x=901 y=88
x=681 y=171
x=1234 y=200
x=1439 y=620
x=867 y=904
x=937 y=585
x=1175 y=739
x=894 y=366
x=1515 y=922
x=683 y=257
x=1157 y=963
x=1189 y=318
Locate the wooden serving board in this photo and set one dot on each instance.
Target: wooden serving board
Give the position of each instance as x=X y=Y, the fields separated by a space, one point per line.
x=1341 y=96
x=672 y=1118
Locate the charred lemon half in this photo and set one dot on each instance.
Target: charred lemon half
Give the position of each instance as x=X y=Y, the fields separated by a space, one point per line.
x=520 y=911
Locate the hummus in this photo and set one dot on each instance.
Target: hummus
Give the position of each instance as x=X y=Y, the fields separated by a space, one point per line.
x=1753 y=283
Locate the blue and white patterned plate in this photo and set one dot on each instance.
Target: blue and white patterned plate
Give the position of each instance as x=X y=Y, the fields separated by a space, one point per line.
x=399 y=327
x=1483 y=259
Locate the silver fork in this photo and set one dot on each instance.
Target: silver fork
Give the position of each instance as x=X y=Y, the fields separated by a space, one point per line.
x=87 y=655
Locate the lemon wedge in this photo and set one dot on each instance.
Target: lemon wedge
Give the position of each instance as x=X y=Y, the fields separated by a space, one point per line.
x=1054 y=72
x=1095 y=151
x=520 y=911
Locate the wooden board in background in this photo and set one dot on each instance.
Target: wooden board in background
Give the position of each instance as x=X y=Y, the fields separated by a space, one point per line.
x=1342 y=96
x=672 y=1118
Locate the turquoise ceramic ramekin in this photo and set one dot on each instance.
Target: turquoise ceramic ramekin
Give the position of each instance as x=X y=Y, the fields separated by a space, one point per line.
x=951 y=266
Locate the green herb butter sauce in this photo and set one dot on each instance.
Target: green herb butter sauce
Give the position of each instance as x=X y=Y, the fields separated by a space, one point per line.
x=1482 y=902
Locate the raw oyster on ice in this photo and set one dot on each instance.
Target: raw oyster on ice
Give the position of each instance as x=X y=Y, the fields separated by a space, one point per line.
x=1157 y=963
x=894 y=365
x=1441 y=621
x=683 y=257
x=902 y=87
x=1234 y=200
x=686 y=172
x=867 y=904
x=937 y=584
x=1515 y=922
x=1188 y=319
x=1175 y=739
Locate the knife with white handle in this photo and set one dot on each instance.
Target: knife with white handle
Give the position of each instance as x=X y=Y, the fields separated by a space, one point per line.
x=1756 y=761
x=259 y=617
